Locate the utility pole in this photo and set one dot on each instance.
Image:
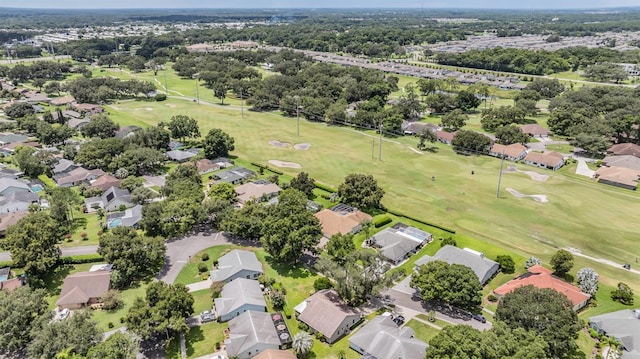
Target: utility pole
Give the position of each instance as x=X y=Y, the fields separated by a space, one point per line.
x=500 y=175
x=298 y=113
x=166 y=88
x=241 y=103
x=197 y=91
x=373 y=145
x=380 y=154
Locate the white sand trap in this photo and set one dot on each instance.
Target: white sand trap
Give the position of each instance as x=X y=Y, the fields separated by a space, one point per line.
x=301 y=146
x=533 y=175
x=171 y=105
x=542 y=198
x=278 y=144
x=285 y=164
x=144 y=108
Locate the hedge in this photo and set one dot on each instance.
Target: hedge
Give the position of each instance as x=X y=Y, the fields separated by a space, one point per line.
x=259 y=165
x=379 y=222
x=274 y=171
x=81 y=258
x=47 y=182
x=400 y=214
x=324 y=187
x=6 y=264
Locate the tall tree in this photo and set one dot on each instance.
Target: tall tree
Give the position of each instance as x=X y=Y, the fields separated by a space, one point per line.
x=78 y=332
x=32 y=243
x=562 y=262
x=454 y=284
x=28 y=161
x=623 y=294
x=302 y=343
x=467 y=101
x=290 y=228
x=340 y=246
x=509 y=134
x=117 y=346
x=20 y=311
x=545 y=311
x=471 y=142
x=454 y=120
x=246 y=222
x=62 y=201
x=134 y=257
x=217 y=143
x=361 y=191
x=100 y=126
x=183 y=126
x=303 y=183
x=588 y=281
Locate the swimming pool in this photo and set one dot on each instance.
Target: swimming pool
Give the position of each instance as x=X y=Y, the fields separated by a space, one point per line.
x=115 y=223
x=36 y=188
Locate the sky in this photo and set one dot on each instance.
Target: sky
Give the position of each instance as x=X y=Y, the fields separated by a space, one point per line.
x=492 y=4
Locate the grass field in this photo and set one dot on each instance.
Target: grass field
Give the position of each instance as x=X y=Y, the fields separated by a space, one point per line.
x=456 y=199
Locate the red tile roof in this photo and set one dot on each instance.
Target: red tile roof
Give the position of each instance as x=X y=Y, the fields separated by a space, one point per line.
x=541 y=277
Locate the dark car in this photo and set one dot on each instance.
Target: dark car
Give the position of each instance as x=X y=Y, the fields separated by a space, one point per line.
x=480 y=318
x=399 y=320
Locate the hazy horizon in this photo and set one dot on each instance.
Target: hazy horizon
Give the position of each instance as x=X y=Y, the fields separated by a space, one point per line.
x=330 y=4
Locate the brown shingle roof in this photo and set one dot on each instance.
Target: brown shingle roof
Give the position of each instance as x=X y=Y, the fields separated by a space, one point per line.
x=514 y=150
x=80 y=287
x=333 y=222
x=105 y=182
x=275 y=354
x=63 y=100
x=534 y=130
x=325 y=311
x=625 y=176
x=550 y=159
x=255 y=190
x=625 y=149
x=9 y=219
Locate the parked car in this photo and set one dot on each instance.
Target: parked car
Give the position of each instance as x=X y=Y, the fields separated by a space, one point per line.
x=480 y=318
x=399 y=320
x=207 y=316
x=64 y=313
x=218 y=357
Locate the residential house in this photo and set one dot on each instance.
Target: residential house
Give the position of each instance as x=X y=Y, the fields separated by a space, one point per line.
x=399 y=242
x=620 y=149
x=311 y=205
x=89 y=108
x=181 y=156
x=126 y=131
x=63 y=166
x=483 y=268
x=77 y=123
x=205 y=166
x=62 y=101
x=8 y=185
x=416 y=128
x=10 y=148
x=4 y=273
x=237 y=264
x=77 y=177
x=257 y=335
x=513 y=152
x=618 y=176
x=239 y=296
x=8 y=138
x=275 y=354
x=105 y=182
x=259 y=191
x=624 y=161
x=36 y=97
x=83 y=289
x=341 y=219
x=549 y=160
x=541 y=277
x=18 y=201
x=111 y=200
x=127 y=218
x=10 y=173
x=535 y=130
x=327 y=314
x=9 y=219
x=624 y=325
x=234 y=175
x=12 y=284
x=382 y=339
x=445 y=137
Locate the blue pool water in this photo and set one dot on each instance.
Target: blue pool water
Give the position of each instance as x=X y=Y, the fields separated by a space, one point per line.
x=36 y=188
x=115 y=223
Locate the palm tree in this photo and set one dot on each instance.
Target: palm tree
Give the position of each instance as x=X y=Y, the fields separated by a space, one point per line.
x=302 y=343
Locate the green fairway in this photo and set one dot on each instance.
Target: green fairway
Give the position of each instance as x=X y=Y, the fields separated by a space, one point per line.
x=455 y=199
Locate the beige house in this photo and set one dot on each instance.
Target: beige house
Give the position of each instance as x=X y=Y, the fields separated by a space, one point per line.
x=341 y=219
x=256 y=191
x=83 y=289
x=326 y=313
x=549 y=160
x=513 y=152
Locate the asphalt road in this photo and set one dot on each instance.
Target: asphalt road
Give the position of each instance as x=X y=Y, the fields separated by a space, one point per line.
x=68 y=251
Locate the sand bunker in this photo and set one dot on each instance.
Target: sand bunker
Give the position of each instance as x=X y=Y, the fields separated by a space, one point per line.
x=542 y=198
x=301 y=146
x=144 y=108
x=278 y=144
x=533 y=175
x=285 y=164
x=171 y=105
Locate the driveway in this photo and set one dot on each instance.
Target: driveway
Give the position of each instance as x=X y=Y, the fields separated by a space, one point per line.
x=583 y=169
x=401 y=295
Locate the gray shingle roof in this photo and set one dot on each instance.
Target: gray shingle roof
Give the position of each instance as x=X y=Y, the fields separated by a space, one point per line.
x=233 y=262
x=179 y=155
x=6 y=183
x=623 y=325
x=483 y=268
x=237 y=293
x=395 y=244
x=249 y=329
x=382 y=339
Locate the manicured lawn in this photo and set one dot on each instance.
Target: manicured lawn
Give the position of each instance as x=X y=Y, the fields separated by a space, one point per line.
x=189 y=274
x=423 y=331
x=200 y=340
x=456 y=199
x=560 y=148
x=202 y=301
x=87 y=223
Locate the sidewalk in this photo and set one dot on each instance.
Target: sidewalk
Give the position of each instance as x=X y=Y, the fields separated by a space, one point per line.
x=194 y=287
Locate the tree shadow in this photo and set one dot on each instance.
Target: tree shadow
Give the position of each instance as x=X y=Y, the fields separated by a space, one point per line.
x=194 y=335
x=78 y=223
x=431 y=149
x=286 y=270
x=54 y=279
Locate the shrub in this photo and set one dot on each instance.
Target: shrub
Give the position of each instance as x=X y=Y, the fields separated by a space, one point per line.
x=449 y=240
x=111 y=300
x=205 y=257
x=160 y=97
x=216 y=289
x=381 y=221
x=81 y=258
x=218 y=346
x=324 y=187
x=83 y=235
x=492 y=298
x=202 y=267
x=110 y=325
x=265 y=280
x=623 y=294
x=303 y=326
x=507 y=265
x=121 y=320
x=277 y=299
x=322 y=283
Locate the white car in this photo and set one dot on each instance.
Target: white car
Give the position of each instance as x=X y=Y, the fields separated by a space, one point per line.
x=218 y=357
x=64 y=313
x=207 y=316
